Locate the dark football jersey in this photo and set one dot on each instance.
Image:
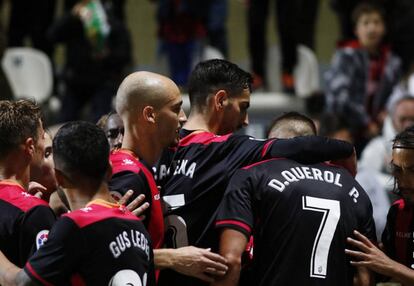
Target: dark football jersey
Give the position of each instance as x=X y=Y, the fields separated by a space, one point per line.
x=300 y=217
x=25 y=222
x=204 y=163
x=163 y=166
x=398 y=237
x=129 y=173
x=101 y=244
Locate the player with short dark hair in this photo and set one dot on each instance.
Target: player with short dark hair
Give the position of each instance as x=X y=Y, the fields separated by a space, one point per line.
x=299 y=216
x=208 y=155
x=113 y=127
x=99 y=242
x=291 y=124
x=25 y=219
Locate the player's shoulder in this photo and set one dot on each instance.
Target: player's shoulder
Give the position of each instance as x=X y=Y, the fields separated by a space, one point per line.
x=204 y=138
x=15 y=195
x=124 y=161
x=99 y=211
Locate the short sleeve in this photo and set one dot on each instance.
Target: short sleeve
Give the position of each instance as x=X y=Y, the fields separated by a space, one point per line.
x=34 y=228
x=56 y=261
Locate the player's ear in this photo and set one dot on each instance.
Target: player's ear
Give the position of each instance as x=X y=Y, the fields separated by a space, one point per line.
x=29 y=146
x=220 y=99
x=149 y=114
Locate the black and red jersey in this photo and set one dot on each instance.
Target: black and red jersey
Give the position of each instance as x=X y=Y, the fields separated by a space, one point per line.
x=25 y=222
x=101 y=244
x=129 y=173
x=300 y=217
x=202 y=167
x=204 y=163
x=398 y=235
x=163 y=166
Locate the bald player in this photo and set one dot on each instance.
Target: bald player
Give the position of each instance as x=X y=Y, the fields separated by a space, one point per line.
x=149 y=105
x=291 y=124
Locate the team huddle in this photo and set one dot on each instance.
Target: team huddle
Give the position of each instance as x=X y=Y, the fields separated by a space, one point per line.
x=150 y=197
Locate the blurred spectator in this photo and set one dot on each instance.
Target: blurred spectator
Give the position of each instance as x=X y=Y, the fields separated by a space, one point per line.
x=31 y=19
x=296 y=25
x=216 y=25
x=344 y=9
x=6 y=92
x=363 y=74
x=97 y=52
x=377 y=153
x=114 y=7
x=404 y=89
x=181 y=27
x=401 y=30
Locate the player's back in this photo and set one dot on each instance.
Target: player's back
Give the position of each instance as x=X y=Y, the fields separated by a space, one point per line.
x=101 y=244
x=199 y=174
x=301 y=216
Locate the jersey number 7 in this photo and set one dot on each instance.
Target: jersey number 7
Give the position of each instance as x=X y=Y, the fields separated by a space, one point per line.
x=331 y=213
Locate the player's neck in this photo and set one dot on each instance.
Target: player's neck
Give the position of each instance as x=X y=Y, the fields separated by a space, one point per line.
x=12 y=169
x=197 y=121
x=79 y=197
x=144 y=149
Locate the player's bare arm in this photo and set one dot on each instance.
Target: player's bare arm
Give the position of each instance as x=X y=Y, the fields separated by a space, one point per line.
x=232 y=245
x=191 y=261
x=370 y=256
x=11 y=275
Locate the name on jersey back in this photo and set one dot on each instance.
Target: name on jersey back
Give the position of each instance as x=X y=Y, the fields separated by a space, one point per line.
x=126 y=240
x=297 y=174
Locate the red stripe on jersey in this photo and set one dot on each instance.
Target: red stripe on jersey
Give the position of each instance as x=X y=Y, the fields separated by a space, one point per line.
x=98 y=211
x=204 y=138
x=125 y=160
x=234 y=222
x=266 y=147
x=16 y=195
x=261 y=162
x=29 y=268
x=402 y=225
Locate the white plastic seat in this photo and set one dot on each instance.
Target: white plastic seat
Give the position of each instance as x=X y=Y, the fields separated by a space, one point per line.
x=306 y=72
x=29 y=72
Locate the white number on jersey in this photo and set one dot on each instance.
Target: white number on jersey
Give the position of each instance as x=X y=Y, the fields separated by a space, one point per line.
x=331 y=213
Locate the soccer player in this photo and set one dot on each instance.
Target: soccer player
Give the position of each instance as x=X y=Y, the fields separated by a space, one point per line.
x=398 y=260
x=150 y=105
x=42 y=176
x=291 y=124
x=208 y=155
x=113 y=127
x=99 y=242
x=300 y=216
x=25 y=220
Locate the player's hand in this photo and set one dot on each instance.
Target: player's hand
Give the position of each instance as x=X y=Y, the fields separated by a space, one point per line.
x=137 y=206
x=199 y=262
x=349 y=163
x=36 y=189
x=370 y=256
